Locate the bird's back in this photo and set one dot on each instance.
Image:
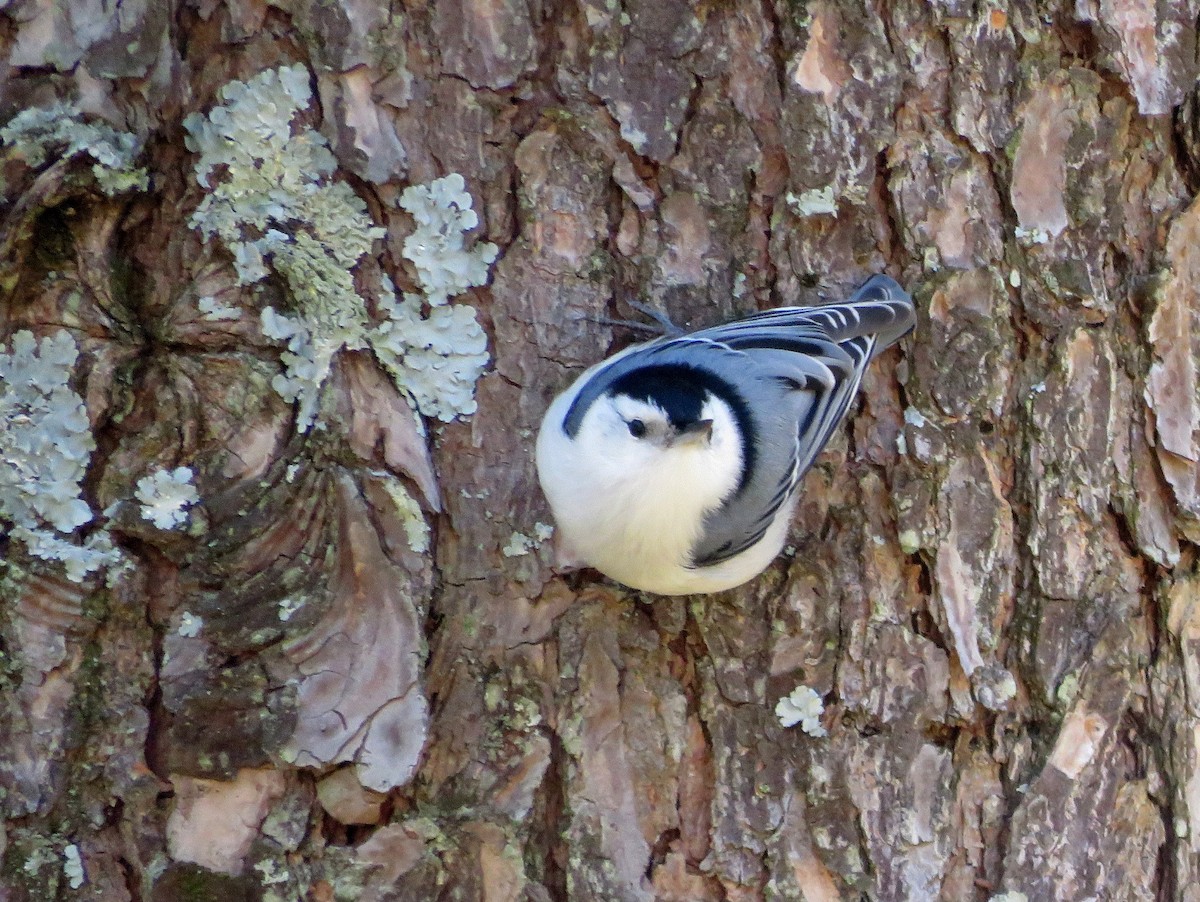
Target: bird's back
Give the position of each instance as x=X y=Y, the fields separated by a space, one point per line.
x=804 y=366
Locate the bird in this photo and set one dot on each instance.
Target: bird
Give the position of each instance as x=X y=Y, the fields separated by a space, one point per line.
x=673 y=466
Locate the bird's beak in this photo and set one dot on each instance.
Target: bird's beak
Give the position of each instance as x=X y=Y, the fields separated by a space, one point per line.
x=697 y=433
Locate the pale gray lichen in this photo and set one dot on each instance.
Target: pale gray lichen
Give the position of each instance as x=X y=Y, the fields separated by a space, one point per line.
x=60 y=130
x=276 y=207
x=436 y=359
x=96 y=553
x=45 y=447
x=165 y=496
x=815 y=202
x=46 y=437
x=518 y=544
x=1032 y=236
x=272 y=872
x=521 y=544
x=274 y=203
x=910 y=541
x=443 y=214
x=73 y=866
x=190 y=625
x=994 y=686
x=804 y=707
x=289 y=606
x=214 y=311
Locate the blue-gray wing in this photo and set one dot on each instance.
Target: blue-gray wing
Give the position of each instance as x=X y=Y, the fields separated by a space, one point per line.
x=803 y=366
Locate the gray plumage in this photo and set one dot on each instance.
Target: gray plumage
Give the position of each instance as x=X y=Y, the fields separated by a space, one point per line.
x=789 y=375
x=672 y=467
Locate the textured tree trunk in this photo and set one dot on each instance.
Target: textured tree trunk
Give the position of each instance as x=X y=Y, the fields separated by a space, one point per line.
x=331 y=659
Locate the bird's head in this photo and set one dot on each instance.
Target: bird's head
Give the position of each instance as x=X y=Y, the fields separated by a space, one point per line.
x=669 y=428
x=644 y=423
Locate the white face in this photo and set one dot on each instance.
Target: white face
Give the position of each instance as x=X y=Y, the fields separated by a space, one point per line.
x=642 y=422
x=630 y=491
x=625 y=434
x=631 y=426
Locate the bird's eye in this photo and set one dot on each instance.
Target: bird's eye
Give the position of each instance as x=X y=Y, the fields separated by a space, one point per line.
x=637 y=428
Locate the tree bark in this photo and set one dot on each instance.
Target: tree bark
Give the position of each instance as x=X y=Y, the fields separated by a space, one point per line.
x=331 y=657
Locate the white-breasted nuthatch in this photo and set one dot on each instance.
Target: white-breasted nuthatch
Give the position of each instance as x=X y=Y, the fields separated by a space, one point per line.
x=672 y=466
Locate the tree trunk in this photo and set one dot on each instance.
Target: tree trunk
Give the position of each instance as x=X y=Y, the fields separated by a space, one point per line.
x=279 y=617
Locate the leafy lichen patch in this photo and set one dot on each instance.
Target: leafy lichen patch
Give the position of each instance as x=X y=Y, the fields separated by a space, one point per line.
x=437 y=359
x=59 y=130
x=803 y=706
x=444 y=214
x=276 y=207
x=45 y=446
x=165 y=496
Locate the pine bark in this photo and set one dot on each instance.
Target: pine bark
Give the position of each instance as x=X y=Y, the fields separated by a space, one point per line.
x=991 y=583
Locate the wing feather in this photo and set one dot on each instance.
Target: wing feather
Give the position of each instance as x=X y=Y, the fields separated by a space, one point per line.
x=830 y=347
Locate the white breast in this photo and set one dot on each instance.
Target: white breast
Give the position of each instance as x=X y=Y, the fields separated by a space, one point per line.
x=633 y=510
